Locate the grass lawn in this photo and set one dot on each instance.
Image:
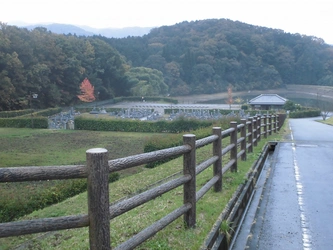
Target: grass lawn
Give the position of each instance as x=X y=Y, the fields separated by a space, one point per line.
x=73 y=144
x=41 y=147
x=328 y=121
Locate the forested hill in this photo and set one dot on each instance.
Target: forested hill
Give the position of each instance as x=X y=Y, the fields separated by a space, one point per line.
x=206 y=56
x=187 y=58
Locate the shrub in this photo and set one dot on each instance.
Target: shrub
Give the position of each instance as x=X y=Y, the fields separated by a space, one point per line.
x=124 y=125
x=305 y=113
x=24 y=122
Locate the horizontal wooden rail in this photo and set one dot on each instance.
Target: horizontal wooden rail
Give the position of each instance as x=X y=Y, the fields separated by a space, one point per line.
x=239 y=126
x=128 y=204
x=205 y=141
x=18 y=228
x=154 y=228
x=228 y=165
x=227 y=131
x=206 y=187
x=16 y=174
x=140 y=159
x=240 y=153
x=205 y=164
x=227 y=149
x=240 y=140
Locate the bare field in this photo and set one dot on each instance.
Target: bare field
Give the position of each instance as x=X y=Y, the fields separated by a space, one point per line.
x=304 y=91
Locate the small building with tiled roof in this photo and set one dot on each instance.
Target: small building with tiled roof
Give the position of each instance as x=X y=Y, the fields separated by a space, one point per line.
x=267 y=102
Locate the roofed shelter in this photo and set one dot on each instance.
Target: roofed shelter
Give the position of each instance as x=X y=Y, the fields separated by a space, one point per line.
x=267 y=102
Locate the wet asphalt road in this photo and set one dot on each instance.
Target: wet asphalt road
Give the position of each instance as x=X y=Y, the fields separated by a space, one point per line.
x=293 y=204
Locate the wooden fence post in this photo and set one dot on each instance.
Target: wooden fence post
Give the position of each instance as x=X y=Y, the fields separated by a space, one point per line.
x=189 y=165
x=265 y=126
x=98 y=198
x=259 y=128
x=243 y=143
x=275 y=126
x=217 y=151
x=277 y=123
x=233 y=151
x=269 y=125
x=255 y=131
x=281 y=119
x=250 y=150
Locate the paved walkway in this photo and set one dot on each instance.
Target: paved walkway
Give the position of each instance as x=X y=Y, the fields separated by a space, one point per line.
x=293 y=204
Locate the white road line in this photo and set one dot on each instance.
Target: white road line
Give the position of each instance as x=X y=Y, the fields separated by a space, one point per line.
x=306 y=237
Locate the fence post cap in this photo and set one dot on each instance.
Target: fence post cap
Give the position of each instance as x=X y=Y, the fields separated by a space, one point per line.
x=96 y=150
x=189 y=135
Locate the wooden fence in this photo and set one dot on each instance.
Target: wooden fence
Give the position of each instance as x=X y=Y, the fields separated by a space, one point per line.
x=98 y=167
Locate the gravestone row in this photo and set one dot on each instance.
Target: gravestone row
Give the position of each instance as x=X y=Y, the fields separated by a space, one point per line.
x=65 y=120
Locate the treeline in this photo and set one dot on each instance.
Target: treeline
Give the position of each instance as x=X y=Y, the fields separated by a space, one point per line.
x=187 y=58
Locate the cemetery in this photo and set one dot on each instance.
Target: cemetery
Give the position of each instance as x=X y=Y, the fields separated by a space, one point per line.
x=149 y=112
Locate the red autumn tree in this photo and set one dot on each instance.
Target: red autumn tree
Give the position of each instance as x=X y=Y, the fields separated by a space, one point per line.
x=87 y=91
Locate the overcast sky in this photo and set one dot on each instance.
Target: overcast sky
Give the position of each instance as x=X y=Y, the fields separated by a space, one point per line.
x=308 y=17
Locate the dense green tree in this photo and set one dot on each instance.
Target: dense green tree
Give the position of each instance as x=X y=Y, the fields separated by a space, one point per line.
x=146 y=82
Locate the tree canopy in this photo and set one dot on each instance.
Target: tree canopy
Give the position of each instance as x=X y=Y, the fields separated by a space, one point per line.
x=187 y=58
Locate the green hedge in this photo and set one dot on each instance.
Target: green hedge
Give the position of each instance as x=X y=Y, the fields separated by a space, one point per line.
x=305 y=113
x=125 y=125
x=15 y=113
x=88 y=109
x=49 y=112
x=37 y=122
x=45 y=112
x=27 y=112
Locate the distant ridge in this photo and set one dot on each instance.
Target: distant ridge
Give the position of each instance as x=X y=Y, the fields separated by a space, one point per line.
x=89 y=31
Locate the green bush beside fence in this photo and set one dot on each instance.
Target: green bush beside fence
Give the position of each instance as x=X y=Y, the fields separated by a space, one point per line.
x=305 y=113
x=125 y=125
